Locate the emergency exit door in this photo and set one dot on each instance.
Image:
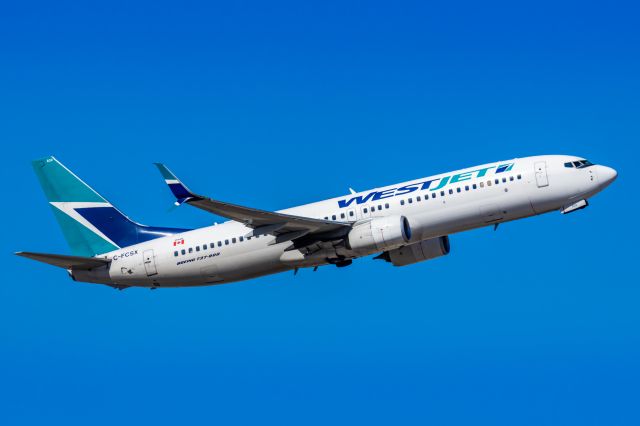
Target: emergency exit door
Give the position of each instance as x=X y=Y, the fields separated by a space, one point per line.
x=541 y=174
x=149 y=263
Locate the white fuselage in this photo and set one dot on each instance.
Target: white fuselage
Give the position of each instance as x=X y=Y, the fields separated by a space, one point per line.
x=435 y=206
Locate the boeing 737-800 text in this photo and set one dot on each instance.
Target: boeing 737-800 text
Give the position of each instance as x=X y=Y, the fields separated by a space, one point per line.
x=404 y=224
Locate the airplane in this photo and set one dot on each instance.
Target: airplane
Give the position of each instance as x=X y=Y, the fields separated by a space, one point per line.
x=402 y=224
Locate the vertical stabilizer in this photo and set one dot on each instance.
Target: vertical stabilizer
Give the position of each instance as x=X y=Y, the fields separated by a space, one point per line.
x=90 y=224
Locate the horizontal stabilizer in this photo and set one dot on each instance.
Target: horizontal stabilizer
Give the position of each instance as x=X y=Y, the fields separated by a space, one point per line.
x=64 y=261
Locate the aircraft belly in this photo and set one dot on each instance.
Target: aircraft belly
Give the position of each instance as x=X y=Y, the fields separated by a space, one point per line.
x=451 y=219
x=251 y=264
x=230 y=266
x=443 y=221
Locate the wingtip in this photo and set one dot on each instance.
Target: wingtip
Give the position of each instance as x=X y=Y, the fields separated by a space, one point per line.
x=160 y=166
x=165 y=172
x=179 y=190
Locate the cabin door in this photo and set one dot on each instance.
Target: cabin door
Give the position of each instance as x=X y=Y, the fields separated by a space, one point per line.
x=149 y=263
x=541 y=174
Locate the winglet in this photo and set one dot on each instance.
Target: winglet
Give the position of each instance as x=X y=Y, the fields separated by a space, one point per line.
x=179 y=190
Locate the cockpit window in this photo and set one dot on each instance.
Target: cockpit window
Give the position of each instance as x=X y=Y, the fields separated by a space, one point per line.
x=578 y=164
x=585 y=163
x=582 y=164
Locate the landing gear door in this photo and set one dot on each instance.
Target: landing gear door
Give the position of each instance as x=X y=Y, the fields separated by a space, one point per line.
x=541 y=174
x=149 y=263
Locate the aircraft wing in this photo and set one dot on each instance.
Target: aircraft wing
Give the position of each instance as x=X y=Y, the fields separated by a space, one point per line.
x=261 y=221
x=64 y=261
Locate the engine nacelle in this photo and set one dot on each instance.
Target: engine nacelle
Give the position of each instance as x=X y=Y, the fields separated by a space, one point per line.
x=418 y=252
x=381 y=233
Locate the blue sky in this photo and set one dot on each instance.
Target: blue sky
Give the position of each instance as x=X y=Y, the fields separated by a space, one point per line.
x=277 y=104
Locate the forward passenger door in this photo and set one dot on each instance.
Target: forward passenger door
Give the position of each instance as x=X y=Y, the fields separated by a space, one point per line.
x=541 y=174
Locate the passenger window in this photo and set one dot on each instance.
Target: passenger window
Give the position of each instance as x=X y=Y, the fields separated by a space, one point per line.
x=497 y=181
x=197 y=248
x=451 y=192
x=351 y=213
x=190 y=250
x=241 y=239
x=401 y=203
x=433 y=195
x=504 y=180
x=442 y=193
x=226 y=242
x=204 y=247
x=183 y=252
x=481 y=184
x=342 y=216
x=219 y=243
x=410 y=200
x=175 y=253
x=386 y=206
x=466 y=188
x=488 y=183
x=475 y=186
x=233 y=240
x=379 y=207
x=519 y=177
x=418 y=199
x=458 y=189
x=334 y=217
x=511 y=178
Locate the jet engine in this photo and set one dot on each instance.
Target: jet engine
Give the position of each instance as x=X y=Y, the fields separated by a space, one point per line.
x=381 y=233
x=418 y=252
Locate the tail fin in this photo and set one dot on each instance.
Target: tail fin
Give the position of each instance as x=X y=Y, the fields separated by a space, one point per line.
x=91 y=225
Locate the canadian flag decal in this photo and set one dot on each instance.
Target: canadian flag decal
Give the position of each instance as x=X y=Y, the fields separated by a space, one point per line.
x=178 y=242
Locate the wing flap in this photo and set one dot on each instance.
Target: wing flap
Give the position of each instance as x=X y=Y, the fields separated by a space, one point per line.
x=64 y=261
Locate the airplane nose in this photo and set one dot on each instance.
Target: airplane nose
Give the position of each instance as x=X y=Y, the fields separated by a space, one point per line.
x=607 y=175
